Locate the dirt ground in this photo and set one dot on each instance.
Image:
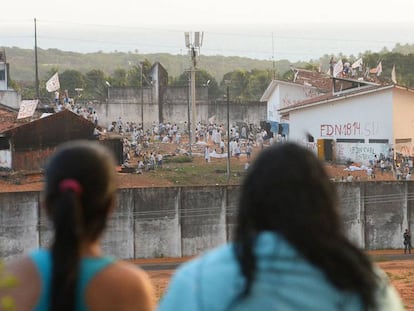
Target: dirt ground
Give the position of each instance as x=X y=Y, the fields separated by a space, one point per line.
x=21 y=181
x=400 y=272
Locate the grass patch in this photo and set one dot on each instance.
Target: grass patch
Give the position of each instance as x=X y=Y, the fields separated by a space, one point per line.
x=180 y=159
x=191 y=174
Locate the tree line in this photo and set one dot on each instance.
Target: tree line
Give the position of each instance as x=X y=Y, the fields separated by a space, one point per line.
x=245 y=84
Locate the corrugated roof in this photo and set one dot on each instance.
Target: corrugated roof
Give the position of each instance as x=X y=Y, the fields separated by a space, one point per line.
x=50 y=131
x=23 y=126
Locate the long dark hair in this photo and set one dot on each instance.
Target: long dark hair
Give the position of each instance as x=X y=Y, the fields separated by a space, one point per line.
x=288 y=191
x=79 y=192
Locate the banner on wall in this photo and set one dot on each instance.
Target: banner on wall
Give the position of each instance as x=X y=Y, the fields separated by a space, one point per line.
x=27 y=108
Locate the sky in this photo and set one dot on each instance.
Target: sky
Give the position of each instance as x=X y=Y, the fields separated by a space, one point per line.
x=186 y=12
x=262 y=29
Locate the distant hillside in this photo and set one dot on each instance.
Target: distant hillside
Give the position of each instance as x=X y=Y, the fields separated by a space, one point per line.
x=22 y=63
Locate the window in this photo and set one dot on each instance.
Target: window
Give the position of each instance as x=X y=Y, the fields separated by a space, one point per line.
x=4 y=143
x=378 y=141
x=350 y=140
x=402 y=140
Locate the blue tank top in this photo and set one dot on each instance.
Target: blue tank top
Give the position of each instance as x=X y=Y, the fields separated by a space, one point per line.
x=89 y=267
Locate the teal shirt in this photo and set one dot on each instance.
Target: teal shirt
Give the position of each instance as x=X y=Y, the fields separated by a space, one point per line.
x=89 y=267
x=284 y=281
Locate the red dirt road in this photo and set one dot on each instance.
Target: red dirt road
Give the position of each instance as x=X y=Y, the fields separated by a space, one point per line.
x=399 y=269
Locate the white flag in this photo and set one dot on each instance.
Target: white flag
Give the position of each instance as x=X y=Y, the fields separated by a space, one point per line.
x=379 y=69
x=27 y=108
x=393 y=75
x=338 y=68
x=212 y=119
x=357 y=63
x=53 y=83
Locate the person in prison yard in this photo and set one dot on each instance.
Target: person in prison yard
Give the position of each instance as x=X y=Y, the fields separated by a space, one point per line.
x=289 y=250
x=73 y=274
x=248 y=150
x=207 y=154
x=407 y=241
x=222 y=146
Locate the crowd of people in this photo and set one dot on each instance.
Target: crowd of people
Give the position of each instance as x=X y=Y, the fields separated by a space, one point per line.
x=140 y=148
x=242 y=138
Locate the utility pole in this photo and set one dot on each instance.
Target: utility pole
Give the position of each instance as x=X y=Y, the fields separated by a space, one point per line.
x=36 y=66
x=142 y=95
x=273 y=59
x=193 y=47
x=228 y=132
x=188 y=116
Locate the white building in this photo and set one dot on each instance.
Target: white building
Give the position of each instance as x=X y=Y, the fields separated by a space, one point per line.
x=356 y=120
x=357 y=125
x=281 y=94
x=8 y=96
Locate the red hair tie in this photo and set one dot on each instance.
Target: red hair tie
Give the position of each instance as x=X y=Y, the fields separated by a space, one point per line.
x=70 y=184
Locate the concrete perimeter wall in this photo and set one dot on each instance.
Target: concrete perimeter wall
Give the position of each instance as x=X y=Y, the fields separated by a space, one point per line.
x=185 y=221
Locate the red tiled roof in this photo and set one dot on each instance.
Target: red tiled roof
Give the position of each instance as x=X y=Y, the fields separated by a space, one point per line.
x=8 y=118
x=320 y=80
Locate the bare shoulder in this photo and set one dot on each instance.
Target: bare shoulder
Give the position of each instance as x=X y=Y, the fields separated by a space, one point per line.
x=123 y=286
x=132 y=276
x=23 y=282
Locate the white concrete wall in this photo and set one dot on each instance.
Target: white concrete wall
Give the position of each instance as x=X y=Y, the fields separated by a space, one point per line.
x=186 y=221
x=5 y=159
x=19 y=232
x=364 y=117
x=361 y=153
x=10 y=98
x=285 y=95
x=3 y=83
x=273 y=105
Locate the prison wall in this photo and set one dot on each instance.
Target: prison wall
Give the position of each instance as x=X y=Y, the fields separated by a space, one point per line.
x=185 y=221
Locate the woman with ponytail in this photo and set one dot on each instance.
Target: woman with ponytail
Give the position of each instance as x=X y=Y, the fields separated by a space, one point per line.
x=289 y=251
x=74 y=275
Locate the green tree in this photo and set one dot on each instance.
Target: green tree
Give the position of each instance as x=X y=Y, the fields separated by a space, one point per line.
x=202 y=78
x=134 y=74
x=70 y=80
x=95 y=86
x=258 y=83
x=238 y=80
x=119 y=78
x=247 y=85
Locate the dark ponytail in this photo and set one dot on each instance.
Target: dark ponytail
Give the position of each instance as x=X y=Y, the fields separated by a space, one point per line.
x=66 y=250
x=80 y=190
